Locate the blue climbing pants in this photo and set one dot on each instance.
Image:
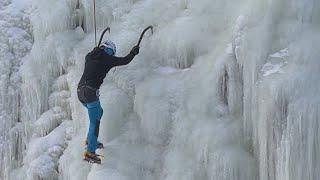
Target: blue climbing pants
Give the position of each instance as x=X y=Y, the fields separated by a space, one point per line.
x=95 y=112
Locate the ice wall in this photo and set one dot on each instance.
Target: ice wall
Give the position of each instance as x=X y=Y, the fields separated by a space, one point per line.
x=222 y=90
x=15 y=42
x=280 y=116
x=34 y=105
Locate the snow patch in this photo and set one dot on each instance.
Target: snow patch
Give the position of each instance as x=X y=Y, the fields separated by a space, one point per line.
x=281 y=54
x=270 y=68
x=276 y=63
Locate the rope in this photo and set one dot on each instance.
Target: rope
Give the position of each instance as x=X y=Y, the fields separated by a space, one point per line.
x=94 y=22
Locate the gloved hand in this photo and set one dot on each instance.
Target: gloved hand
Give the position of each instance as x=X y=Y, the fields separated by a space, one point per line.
x=95 y=52
x=135 y=50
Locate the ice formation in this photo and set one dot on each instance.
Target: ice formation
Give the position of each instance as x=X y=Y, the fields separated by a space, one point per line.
x=223 y=90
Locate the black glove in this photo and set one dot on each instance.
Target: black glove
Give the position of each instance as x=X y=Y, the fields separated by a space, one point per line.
x=95 y=52
x=135 y=50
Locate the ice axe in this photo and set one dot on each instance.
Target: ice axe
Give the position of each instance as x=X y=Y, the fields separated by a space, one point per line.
x=143 y=32
x=107 y=29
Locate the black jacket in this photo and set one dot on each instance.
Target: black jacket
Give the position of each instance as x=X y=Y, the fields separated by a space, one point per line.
x=98 y=64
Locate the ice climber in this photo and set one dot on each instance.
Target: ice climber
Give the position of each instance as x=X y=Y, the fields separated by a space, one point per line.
x=98 y=63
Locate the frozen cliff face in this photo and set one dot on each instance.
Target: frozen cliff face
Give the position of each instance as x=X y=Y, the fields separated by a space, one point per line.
x=34 y=96
x=221 y=90
x=15 y=42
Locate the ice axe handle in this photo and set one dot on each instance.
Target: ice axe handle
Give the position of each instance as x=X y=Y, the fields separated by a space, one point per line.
x=143 y=32
x=107 y=29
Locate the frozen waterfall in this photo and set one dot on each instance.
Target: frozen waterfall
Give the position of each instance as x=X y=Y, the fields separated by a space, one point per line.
x=223 y=90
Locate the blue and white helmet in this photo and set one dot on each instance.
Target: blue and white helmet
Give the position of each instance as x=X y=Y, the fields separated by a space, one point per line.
x=109 y=47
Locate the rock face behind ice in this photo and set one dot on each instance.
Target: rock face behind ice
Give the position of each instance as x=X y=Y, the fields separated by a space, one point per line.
x=223 y=90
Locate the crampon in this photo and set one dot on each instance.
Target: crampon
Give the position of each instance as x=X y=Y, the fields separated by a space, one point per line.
x=92 y=157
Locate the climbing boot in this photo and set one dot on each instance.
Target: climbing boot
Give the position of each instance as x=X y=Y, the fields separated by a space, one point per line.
x=92 y=157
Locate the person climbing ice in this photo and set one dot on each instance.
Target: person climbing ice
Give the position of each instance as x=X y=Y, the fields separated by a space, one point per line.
x=98 y=63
